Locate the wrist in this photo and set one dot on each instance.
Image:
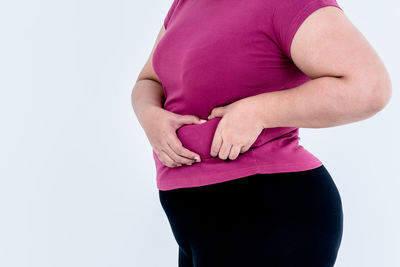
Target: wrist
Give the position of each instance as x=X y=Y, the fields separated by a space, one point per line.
x=259 y=108
x=146 y=113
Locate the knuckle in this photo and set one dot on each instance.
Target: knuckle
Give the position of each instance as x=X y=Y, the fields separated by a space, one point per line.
x=213 y=151
x=167 y=163
x=178 y=164
x=162 y=148
x=175 y=164
x=179 y=148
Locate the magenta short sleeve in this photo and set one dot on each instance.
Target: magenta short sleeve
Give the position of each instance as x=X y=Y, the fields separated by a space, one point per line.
x=289 y=15
x=170 y=12
x=215 y=53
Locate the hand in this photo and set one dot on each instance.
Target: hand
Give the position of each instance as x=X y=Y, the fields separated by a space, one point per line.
x=160 y=127
x=237 y=130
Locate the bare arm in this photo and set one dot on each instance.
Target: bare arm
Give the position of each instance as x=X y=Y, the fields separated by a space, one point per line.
x=147 y=92
x=159 y=124
x=349 y=81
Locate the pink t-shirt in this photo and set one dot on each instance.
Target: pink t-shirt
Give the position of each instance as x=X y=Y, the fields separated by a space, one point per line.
x=214 y=53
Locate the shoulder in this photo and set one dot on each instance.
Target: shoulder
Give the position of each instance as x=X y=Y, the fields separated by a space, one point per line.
x=289 y=15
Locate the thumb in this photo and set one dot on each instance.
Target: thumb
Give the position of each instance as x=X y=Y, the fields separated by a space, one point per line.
x=189 y=119
x=217 y=112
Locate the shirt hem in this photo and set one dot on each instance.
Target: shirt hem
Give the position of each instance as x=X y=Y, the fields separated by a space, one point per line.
x=218 y=177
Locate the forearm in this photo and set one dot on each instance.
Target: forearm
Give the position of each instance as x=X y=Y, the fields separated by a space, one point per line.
x=318 y=103
x=146 y=94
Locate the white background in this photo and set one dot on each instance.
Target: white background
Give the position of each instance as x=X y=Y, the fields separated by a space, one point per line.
x=77 y=177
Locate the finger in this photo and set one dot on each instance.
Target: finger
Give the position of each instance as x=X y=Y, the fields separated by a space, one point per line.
x=183 y=154
x=177 y=158
x=235 y=150
x=166 y=160
x=216 y=144
x=169 y=161
x=189 y=119
x=217 y=112
x=225 y=150
x=245 y=148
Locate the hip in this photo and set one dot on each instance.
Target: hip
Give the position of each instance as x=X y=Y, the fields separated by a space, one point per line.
x=307 y=197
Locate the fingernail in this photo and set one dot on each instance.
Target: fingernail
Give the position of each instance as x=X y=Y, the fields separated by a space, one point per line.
x=197 y=158
x=202 y=121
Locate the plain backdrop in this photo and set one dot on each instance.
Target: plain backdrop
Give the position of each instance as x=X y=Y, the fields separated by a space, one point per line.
x=77 y=177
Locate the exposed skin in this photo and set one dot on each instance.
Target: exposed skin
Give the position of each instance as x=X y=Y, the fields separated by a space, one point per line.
x=160 y=125
x=349 y=83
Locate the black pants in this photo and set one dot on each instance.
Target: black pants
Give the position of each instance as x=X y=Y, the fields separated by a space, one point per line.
x=291 y=219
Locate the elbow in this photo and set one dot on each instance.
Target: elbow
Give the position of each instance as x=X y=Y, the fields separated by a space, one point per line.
x=381 y=92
